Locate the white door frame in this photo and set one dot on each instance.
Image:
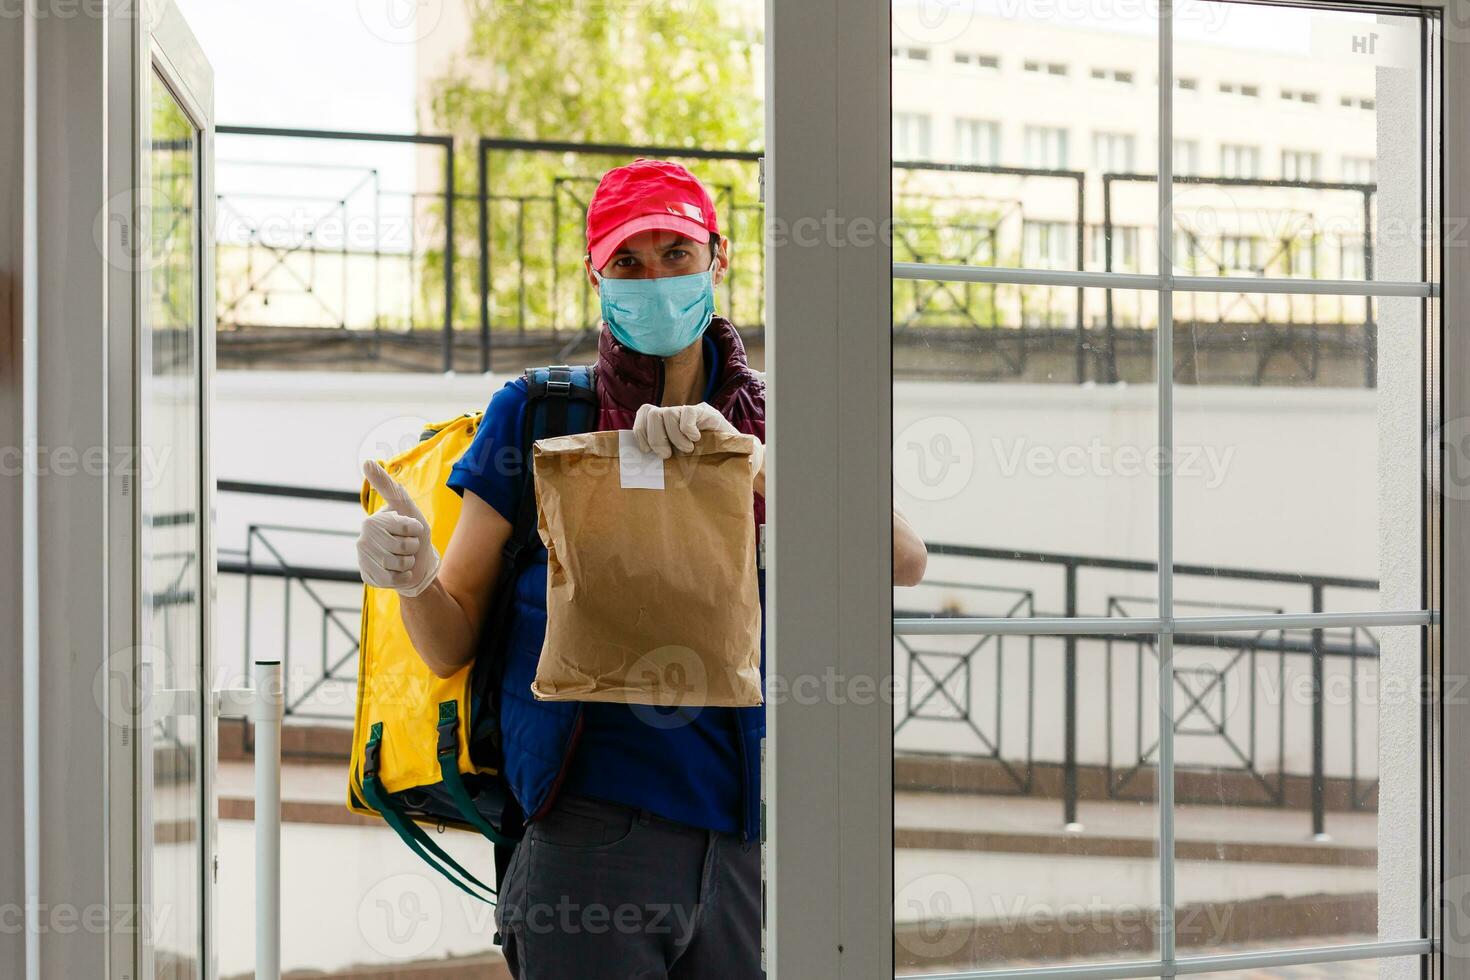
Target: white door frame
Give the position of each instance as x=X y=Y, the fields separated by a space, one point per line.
x=829 y=790
x=56 y=501
x=829 y=773
x=73 y=102
x=158 y=46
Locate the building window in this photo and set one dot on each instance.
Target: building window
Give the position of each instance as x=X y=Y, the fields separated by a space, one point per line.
x=1112 y=152
x=910 y=136
x=1357 y=102
x=1299 y=95
x=1300 y=165
x=1125 y=248
x=1240 y=89
x=1187 y=84
x=977 y=141
x=1046 y=147
x=1186 y=157
x=972 y=59
x=1359 y=170
x=1237 y=160
x=1048 y=244
x=1239 y=253
x=1117 y=76
x=1050 y=69
x=911 y=54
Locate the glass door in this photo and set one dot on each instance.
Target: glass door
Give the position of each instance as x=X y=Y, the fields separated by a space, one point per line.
x=1165 y=342
x=172 y=623
x=175 y=573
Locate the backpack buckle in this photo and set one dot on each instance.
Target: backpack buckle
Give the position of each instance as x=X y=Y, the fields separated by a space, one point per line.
x=448 y=728
x=559 y=380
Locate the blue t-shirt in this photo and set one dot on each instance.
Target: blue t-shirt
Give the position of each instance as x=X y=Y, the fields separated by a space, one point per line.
x=682 y=765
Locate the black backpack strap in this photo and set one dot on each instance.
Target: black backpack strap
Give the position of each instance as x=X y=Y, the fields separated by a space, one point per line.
x=559 y=400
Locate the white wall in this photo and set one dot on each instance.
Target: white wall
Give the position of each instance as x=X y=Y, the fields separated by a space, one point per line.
x=1279 y=479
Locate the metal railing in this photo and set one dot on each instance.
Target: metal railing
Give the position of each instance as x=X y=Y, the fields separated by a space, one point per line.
x=442 y=276
x=1297 y=246
x=564 y=196
x=299 y=237
x=1258 y=663
x=293 y=589
x=1229 y=685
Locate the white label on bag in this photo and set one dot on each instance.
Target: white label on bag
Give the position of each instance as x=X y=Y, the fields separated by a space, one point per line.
x=636 y=469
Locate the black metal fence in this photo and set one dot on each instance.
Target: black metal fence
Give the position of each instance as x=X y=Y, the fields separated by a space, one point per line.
x=1237 y=695
x=370 y=251
x=533 y=284
x=1237 y=724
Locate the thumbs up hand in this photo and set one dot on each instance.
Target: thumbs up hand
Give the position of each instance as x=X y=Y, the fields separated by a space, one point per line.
x=394 y=550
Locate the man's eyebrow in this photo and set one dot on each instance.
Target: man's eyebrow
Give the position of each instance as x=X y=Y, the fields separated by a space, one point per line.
x=680 y=240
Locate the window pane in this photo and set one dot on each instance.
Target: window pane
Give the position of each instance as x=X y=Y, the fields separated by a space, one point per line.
x=1296 y=826
x=1055 y=104
x=1298 y=445
x=1392 y=968
x=1049 y=486
x=1291 y=96
x=986 y=872
x=1036 y=496
x=170 y=508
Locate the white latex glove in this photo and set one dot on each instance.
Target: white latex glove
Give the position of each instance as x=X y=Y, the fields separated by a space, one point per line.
x=394 y=550
x=665 y=430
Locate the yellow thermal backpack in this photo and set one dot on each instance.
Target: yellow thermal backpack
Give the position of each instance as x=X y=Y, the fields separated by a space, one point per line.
x=426 y=748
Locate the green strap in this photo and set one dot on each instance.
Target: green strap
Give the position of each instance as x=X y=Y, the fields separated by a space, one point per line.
x=405 y=829
x=409 y=832
x=449 y=772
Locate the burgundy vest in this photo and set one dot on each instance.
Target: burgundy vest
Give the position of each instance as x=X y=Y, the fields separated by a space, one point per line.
x=627 y=379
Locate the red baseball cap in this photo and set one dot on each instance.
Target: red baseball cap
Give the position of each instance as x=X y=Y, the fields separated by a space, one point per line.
x=642 y=195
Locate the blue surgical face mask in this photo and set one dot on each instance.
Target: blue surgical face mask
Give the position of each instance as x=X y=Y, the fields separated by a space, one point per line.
x=658 y=316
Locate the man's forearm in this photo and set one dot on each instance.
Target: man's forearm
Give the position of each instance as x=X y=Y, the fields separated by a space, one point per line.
x=439 y=628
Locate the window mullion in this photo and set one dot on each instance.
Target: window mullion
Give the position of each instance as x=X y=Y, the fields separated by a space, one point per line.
x=1164 y=352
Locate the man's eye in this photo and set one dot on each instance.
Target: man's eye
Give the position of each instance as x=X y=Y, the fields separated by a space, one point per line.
x=625 y=262
x=676 y=254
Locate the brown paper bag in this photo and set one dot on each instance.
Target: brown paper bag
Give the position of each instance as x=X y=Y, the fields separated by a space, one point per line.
x=651 y=594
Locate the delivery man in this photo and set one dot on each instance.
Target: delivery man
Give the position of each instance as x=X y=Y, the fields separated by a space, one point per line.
x=641 y=856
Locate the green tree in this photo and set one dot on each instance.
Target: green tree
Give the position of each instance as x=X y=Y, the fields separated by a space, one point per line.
x=672 y=73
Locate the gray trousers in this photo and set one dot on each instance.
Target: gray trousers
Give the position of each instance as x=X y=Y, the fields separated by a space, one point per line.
x=602 y=891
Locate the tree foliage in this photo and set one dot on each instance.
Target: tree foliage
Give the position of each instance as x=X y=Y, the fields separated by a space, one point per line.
x=678 y=73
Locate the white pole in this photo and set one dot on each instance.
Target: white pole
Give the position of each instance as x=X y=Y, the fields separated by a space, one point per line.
x=266 y=710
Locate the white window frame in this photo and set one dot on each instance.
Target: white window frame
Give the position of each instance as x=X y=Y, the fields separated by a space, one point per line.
x=1291 y=165
x=1237 y=153
x=975 y=61
x=1359 y=169
x=1053 y=142
x=983 y=136
x=1190 y=151
x=1049 y=244
x=1109 y=143
x=829 y=794
x=918 y=127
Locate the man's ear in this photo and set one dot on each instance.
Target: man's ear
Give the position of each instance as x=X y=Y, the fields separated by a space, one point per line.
x=722 y=259
x=587 y=262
